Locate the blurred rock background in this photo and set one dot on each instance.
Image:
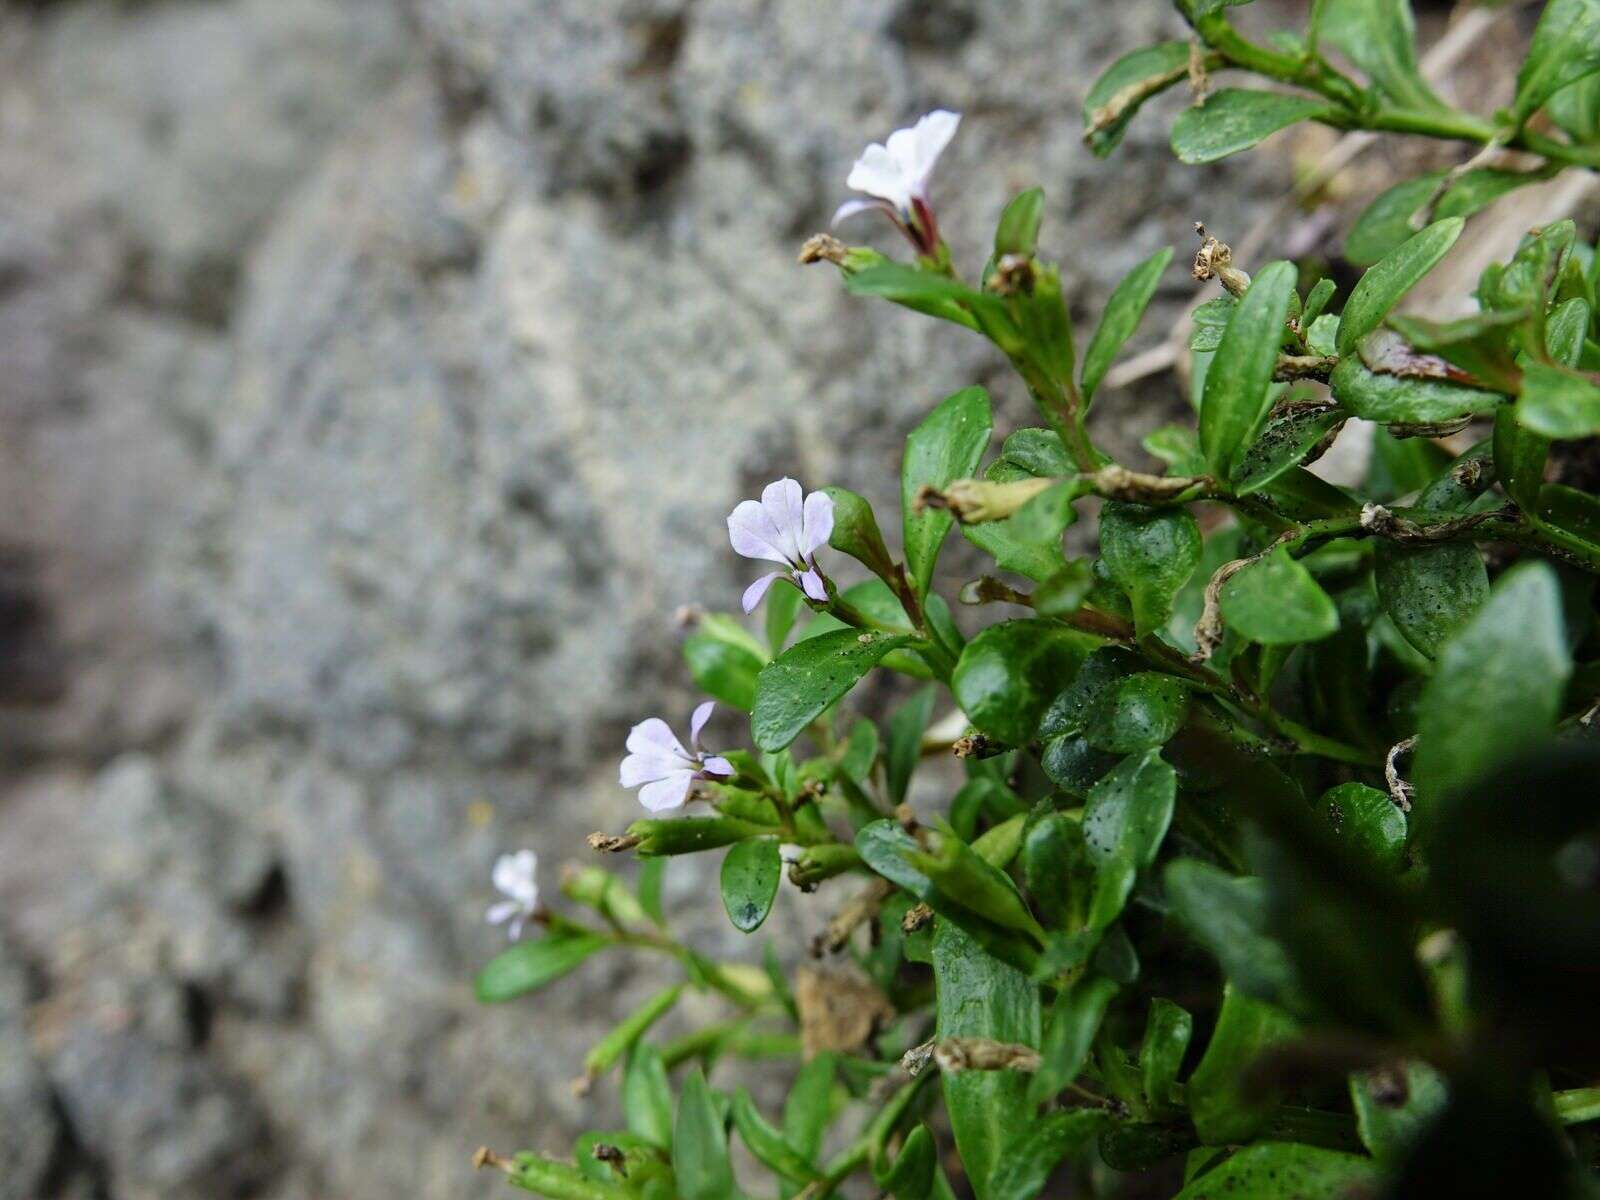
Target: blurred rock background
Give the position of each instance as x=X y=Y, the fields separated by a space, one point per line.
x=374 y=378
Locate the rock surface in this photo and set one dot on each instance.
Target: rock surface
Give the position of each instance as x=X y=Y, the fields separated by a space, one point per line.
x=377 y=376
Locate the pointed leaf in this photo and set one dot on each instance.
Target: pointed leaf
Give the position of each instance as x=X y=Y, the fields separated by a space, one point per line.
x=700 y=1145
x=1381 y=288
x=1235 y=119
x=530 y=965
x=1240 y=378
x=947 y=446
x=801 y=683
x=1121 y=318
x=1275 y=602
x=1126 y=84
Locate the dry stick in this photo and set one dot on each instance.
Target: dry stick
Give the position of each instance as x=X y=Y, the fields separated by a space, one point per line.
x=1445 y=54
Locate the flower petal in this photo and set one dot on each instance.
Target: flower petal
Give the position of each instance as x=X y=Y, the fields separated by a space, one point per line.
x=718 y=767
x=877 y=173
x=654 y=736
x=781 y=499
x=667 y=793
x=697 y=722
x=932 y=135
x=756 y=592
x=647 y=766
x=817 y=526
x=752 y=533
x=513 y=873
x=499 y=914
x=517 y=923
x=851 y=207
x=811 y=584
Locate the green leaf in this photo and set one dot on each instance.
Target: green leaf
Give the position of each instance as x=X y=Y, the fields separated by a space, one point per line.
x=910 y=1176
x=1228 y=916
x=1037 y=452
x=929 y=292
x=692 y=835
x=1275 y=1170
x=604 y=1054
x=1046 y=516
x=1222 y=1108
x=979 y=996
x=1211 y=322
x=1025 y=546
x=1381 y=288
x=652 y=873
x=783 y=605
x=1166 y=1041
x=1498 y=687
x=528 y=966
x=1367 y=819
x=561 y=1181
x=1139 y=712
x=1064 y=592
x=1121 y=318
x=1380 y=37
x=1565 y=48
x=1558 y=403
x=1282 y=444
x=958 y=871
x=946 y=446
x=1075 y=1019
x=700 y=1145
x=647 y=1096
x=1401 y=400
x=1395 y=1105
x=856 y=533
x=1235 y=119
x=750 y=874
x=1576 y=108
x=723 y=668
x=1129 y=810
x=1126 y=84
x=1480 y=344
x=906 y=727
x=1275 y=602
x=1039 y=1146
x=1018 y=231
x=809 y=1106
x=767 y=1144
x=1009 y=673
x=1150 y=553
x=1056 y=869
x=1238 y=385
x=799 y=685
x=1430 y=591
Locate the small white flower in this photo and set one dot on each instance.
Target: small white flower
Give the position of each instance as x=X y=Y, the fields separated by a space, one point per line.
x=514 y=875
x=662 y=770
x=895 y=174
x=780 y=528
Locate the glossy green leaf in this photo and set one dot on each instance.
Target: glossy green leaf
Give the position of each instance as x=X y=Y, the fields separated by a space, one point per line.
x=530 y=965
x=723 y=668
x=856 y=532
x=605 y=1053
x=692 y=835
x=1210 y=322
x=946 y=446
x=799 y=685
x=1018 y=231
x=1380 y=37
x=1150 y=553
x=810 y=1106
x=1565 y=48
x=1403 y=400
x=767 y=1143
x=1283 y=443
x=1394 y=1105
x=1498 y=686
x=1120 y=318
x=1046 y=516
x=910 y=1176
x=647 y=1096
x=1126 y=84
x=1234 y=119
x=1057 y=870
x=1430 y=591
x=1037 y=452
x=750 y=874
x=1039 y=1146
x=1480 y=344
x=1075 y=1019
x=1576 y=108
x=1228 y=916
x=561 y=1181
x=1276 y=1170
x=1139 y=712
x=1382 y=287
x=1558 y=403
x=1009 y=673
x=700 y=1145
x=1368 y=819
x=1025 y=547
x=1166 y=1041
x=958 y=871
x=783 y=605
x=1129 y=810
x=979 y=996
x=1276 y=602
x=1064 y=592
x=1239 y=383
x=1220 y=1102
x=904 y=748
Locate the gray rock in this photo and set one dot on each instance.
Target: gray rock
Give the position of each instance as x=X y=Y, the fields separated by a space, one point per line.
x=379 y=376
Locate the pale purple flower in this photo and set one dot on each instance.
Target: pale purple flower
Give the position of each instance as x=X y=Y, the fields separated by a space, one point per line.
x=895 y=174
x=662 y=770
x=780 y=528
x=514 y=876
